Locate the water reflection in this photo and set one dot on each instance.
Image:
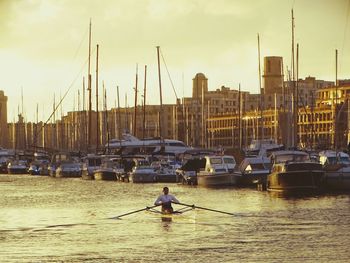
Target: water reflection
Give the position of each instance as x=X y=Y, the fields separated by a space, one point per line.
x=48 y=220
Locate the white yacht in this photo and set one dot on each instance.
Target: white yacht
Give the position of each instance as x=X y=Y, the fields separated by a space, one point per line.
x=130 y=143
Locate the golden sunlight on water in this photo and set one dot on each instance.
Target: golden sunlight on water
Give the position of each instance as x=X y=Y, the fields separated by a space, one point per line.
x=46 y=219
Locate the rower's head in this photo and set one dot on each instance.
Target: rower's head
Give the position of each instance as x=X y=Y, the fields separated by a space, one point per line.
x=165 y=190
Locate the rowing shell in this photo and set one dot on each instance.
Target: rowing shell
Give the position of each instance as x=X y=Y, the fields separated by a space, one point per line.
x=166 y=216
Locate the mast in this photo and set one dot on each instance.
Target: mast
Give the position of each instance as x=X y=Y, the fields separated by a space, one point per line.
x=106 y=115
x=89 y=90
x=275 y=118
x=77 y=118
x=203 y=125
x=62 y=125
x=36 y=126
x=15 y=132
x=184 y=123
x=297 y=93
x=84 y=131
x=239 y=117
x=160 y=94
x=24 y=122
x=295 y=117
x=43 y=132
x=336 y=101
x=210 y=124
x=119 y=118
x=97 y=113
x=126 y=112
x=55 y=133
x=261 y=96
x=144 y=105
x=135 y=105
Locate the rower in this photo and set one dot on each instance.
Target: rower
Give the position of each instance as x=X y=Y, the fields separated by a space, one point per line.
x=165 y=200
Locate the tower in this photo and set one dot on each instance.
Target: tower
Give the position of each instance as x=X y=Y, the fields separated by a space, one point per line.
x=273 y=75
x=199 y=82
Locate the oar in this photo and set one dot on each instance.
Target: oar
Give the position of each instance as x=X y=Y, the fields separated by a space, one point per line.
x=133 y=212
x=204 y=208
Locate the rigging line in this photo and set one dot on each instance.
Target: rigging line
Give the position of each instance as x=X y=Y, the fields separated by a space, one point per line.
x=171 y=81
x=80 y=44
x=65 y=94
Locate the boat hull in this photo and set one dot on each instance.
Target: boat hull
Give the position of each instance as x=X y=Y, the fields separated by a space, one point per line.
x=143 y=177
x=217 y=179
x=17 y=170
x=251 y=179
x=296 y=181
x=85 y=175
x=105 y=175
x=67 y=174
x=166 y=178
x=337 y=180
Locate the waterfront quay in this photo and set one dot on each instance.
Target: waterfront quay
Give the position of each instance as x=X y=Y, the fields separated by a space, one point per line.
x=225 y=117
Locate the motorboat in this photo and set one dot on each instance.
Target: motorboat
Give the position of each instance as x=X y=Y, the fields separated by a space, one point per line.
x=253 y=171
x=142 y=172
x=91 y=163
x=187 y=173
x=6 y=155
x=166 y=170
x=17 y=166
x=106 y=171
x=56 y=160
x=217 y=171
x=119 y=168
x=39 y=166
x=293 y=171
x=337 y=169
x=192 y=162
x=69 y=168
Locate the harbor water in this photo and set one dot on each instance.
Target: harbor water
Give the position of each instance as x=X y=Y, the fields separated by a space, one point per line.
x=46 y=219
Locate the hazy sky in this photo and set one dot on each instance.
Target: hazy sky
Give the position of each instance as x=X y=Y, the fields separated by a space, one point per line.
x=44 y=45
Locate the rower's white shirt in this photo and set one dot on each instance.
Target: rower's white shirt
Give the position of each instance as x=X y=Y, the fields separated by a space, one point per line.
x=165 y=199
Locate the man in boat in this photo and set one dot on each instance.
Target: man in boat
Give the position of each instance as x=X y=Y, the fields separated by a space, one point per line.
x=165 y=200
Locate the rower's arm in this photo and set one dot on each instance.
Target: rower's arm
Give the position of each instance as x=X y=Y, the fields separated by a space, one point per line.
x=158 y=201
x=174 y=200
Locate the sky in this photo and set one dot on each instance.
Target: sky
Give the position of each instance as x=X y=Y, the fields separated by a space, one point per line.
x=44 y=46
